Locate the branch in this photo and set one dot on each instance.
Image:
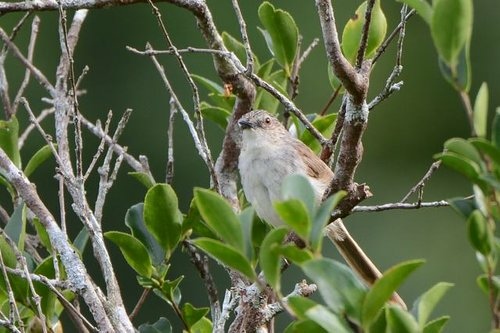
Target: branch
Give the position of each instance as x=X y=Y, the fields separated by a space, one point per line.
x=400 y=205
x=75 y=269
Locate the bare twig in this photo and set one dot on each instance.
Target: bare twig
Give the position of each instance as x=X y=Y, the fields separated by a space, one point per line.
x=301 y=289
x=364 y=35
x=14 y=315
x=44 y=114
x=399 y=205
x=100 y=148
x=170 y=150
x=434 y=166
x=244 y=35
x=27 y=74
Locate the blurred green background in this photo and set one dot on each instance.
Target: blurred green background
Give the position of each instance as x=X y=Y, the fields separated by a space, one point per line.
x=403 y=134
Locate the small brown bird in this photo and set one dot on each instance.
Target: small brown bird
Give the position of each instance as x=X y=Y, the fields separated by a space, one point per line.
x=268 y=154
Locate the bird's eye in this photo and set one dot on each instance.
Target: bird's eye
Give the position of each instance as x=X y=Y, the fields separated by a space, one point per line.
x=267 y=120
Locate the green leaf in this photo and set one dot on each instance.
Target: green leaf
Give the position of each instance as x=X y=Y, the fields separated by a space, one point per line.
x=325 y=125
x=8 y=254
x=161 y=326
x=202 y=326
x=16 y=226
x=296 y=186
x=235 y=46
x=422 y=7
x=283 y=34
x=296 y=255
x=458 y=75
x=481 y=111
x=304 y=326
x=484 y=284
x=227 y=255
x=192 y=315
x=426 y=303
x=339 y=287
x=81 y=240
x=463 y=206
x=294 y=213
x=133 y=251
x=400 y=321
x=42 y=235
x=351 y=36
x=333 y=79
x=218 y=115
x=210 y=85
x=495 y=128
x=464 y=148
x=219 y=216
x=267 y=101
x=487 y=148
x=246 y=218
x=9 y=136
x=162 y=216
x=326 y=319
x=171 y=292
x=479 y=234
x=384 y=287
x=48 y=299
x=436 y=325
x=143 y=178
x=270 y=258
x=321 y=219
x=451 y=27
x=37 y=159
x=134 y=220
x=460 y=164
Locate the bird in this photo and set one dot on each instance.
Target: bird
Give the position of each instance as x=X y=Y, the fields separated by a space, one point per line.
x=269 y=153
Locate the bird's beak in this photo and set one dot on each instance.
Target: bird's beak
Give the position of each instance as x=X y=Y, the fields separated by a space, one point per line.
x=244 y=124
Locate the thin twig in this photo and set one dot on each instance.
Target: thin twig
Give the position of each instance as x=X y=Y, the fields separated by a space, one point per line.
x=14 y=315
x=170 y=150
x=393 y=34
x=31 y=51
x=100 y=148
x=44 y=114
x=196 y=100
x=332 y=98
x=139 y=303
x=421 y=183
x=244 y=36
x=400 y=205
x=364 y=35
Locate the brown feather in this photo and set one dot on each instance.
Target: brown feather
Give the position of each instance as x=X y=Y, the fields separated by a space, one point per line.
x=316 y=168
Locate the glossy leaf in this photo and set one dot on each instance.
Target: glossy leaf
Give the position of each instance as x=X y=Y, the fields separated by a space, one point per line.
x=451 y=27
x=42 y=235
x=426 y=303
x=436 y=325
x=37 y=159
x=267 y=101
x=283 y=34
x=422 y=7
x=227 y=255
x=210 y=85
x=133 y=251
x=270 y=258
x=16 y=226
x=325 y=125
x=161 y=326
x=81 y=240
x=464 y=148
x=464 y=166
x=332 y=78
x=294 y=213
x=487 y=148
x=495 y=128
x=235 y=46
x=9 y=136
x=458 y=75
x=294 y=254
x=481 y=111
x=384 y=287
x=479 y=235
x=351 y=36
x=306 y=325
x=298 y=187
x=192 y=315
x=202 y=326
x=328 y=320
x=398 y=320
x=134 y=220
x=218 y=115
x=8 y=254
x=162 y=217
x=484 y=284
x=219 y=216
x=143 y=178
x=48 y=299
x=339 y=287
x=321 y=219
